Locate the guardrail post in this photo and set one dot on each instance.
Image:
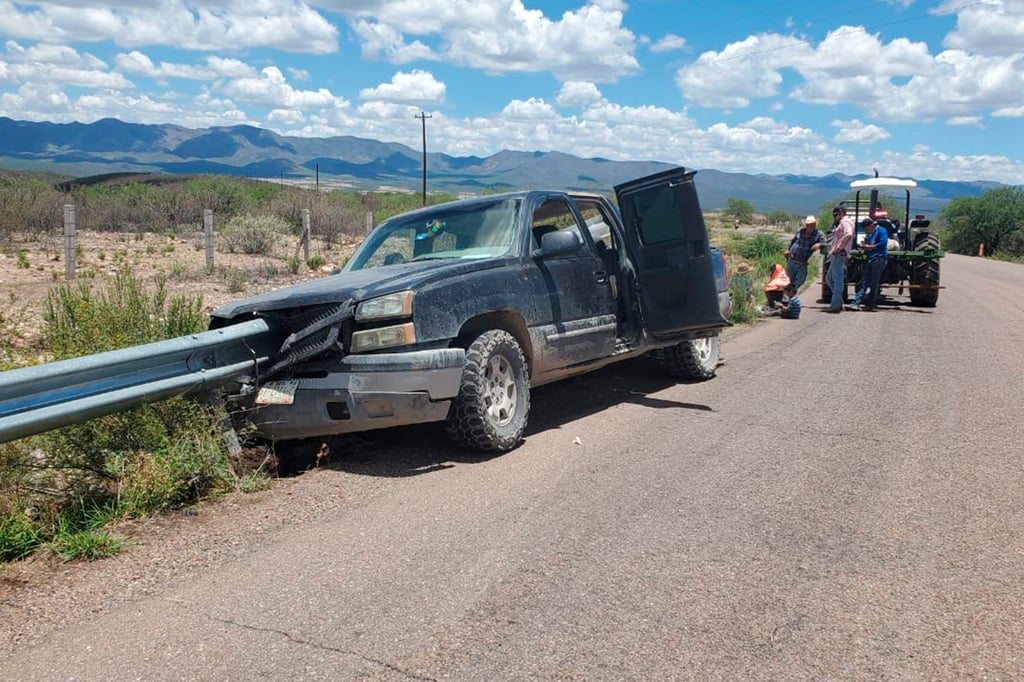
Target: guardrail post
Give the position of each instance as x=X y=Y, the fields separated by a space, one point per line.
x=306 y=234
x=208 y=229
x=69 y=241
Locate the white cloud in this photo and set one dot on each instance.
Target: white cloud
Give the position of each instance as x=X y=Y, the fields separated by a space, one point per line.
x=139 y=64
x=59 y=65
x=858 y=132
x=270 y=89
x=291 y=26
x=419 y=87
x=286 y=117
x=925 y=163
x=965 y=121
x=742 y=71
x=498 y=36
x=36 y=102
x=1009 y=112
x=988 y=28
x=578 y=93
x=670 y=42
x=383 y=41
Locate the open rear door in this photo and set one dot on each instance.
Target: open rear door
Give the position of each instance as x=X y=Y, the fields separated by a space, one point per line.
x=666 y=237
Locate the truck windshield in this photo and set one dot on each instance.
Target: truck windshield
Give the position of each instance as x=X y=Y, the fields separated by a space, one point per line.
x=483 y=229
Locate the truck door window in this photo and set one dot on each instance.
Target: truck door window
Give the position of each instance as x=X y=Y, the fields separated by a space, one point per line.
x=552 y=215
x=657 y=215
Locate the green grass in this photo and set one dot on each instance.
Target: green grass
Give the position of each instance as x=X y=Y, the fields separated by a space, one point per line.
x=85 y=544
x=19 y=536
x=60 y=489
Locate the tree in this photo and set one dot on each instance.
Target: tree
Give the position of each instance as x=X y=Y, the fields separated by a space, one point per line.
x=739 y=209
x=779 y=218
x=995 y=219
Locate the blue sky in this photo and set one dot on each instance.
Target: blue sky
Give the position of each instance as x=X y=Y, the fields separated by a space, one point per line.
x=925 y=89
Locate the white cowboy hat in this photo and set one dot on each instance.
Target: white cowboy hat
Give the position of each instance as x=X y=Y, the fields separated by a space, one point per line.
x=810 y=220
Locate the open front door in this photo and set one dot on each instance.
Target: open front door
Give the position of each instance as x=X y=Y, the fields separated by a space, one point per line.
x=666 y=237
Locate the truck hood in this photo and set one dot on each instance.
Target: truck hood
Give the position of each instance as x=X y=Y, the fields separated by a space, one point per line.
x=355 y=285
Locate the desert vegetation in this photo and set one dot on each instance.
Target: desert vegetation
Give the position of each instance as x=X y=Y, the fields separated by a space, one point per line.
x=63 y=491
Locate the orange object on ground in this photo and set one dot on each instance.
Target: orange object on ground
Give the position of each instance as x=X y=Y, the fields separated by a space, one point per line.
x=777 y=281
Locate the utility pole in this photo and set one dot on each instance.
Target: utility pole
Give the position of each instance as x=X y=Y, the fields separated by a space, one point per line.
x=423 y=117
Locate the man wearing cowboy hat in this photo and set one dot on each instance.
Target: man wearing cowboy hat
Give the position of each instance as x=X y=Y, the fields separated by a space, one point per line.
x=805 y=242
x=839 y=244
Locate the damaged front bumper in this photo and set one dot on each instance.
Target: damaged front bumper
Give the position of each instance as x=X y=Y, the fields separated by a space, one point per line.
x=360 y=393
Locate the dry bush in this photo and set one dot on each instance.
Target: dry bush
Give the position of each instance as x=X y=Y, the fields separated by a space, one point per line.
x=252 y=234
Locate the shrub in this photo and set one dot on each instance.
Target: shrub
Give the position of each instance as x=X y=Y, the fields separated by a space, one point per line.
x=252 y=234
x=80 y=321
x=761 y=246
x=129 y=463
x=19 y=536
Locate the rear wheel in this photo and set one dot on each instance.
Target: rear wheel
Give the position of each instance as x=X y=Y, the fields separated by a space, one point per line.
x=925 y=271
x=694 y=359
x=493 y=404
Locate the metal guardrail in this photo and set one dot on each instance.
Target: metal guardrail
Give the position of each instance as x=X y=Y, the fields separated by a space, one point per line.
x=44 y=397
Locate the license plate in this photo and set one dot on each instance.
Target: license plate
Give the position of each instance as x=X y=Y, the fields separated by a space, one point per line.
x=277 y=392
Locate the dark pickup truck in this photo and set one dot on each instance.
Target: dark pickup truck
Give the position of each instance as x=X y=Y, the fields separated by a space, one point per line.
x=454 y=312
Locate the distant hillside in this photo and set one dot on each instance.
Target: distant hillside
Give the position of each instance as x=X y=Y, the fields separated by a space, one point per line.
x=112 y=146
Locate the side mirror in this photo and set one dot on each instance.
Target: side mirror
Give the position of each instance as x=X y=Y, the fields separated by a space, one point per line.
x=559 y=243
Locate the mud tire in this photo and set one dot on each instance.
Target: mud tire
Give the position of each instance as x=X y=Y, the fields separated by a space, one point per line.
x=491 y=410
x=694 y=359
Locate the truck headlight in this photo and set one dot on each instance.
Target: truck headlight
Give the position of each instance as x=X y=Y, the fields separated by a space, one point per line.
x=398 y=304
x=384 y=337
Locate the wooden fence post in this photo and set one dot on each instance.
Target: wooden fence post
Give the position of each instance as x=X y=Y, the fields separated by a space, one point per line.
x=69 y=241
x=369 y=221
x=306 y=233
x=208 y=230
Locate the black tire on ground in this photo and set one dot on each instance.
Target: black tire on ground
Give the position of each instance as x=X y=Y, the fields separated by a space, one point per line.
x=925 y=271
x=493 y=404
x=695 y=359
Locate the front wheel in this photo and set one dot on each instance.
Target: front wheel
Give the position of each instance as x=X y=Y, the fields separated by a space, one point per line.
x=693 y=359
x=493 y=404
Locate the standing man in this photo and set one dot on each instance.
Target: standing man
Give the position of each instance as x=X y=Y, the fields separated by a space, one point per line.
x=876 y=245
x=805 y=242
x=839 y=244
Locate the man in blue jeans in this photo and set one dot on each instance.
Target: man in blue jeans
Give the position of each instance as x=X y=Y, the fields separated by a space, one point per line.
x=804 y=243
x=839 y=244
x=876 y=245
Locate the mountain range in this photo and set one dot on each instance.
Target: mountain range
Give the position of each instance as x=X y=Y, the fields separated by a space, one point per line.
x=113 y=146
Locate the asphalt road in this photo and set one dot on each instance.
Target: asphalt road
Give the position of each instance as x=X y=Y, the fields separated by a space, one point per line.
x=844 y=501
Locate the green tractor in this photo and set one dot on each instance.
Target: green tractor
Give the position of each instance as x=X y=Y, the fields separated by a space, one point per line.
x=914 y=250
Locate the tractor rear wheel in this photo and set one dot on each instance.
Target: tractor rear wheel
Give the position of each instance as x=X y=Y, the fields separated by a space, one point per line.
x=925 y=272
